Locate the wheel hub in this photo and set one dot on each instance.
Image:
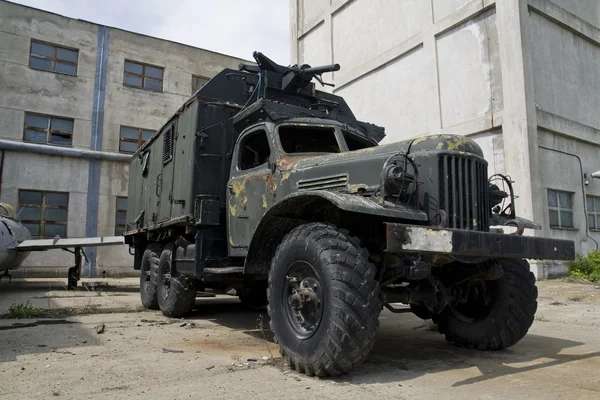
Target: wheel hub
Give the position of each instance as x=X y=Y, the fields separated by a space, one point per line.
x=304 y=299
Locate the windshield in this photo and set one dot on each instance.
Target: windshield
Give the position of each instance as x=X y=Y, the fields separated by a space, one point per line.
x=308 y=139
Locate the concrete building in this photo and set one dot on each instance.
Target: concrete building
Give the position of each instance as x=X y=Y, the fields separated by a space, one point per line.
x=76 y=99
x=521 y=77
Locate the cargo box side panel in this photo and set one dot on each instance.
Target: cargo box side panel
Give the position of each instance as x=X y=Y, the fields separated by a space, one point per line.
x=167 y=161
x=213 y=146
x=184 y=162
x=152 y=183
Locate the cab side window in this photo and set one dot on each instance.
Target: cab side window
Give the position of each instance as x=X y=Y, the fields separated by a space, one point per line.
x=254 y=150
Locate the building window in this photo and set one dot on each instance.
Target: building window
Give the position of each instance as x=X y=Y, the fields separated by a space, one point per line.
x=198 y=82
x=46 y=129
x=131 y=139
x=593 y=212
x=50 y=57
x=44 y=214
x=120 y=216
x=143 y=76
x=560 y=207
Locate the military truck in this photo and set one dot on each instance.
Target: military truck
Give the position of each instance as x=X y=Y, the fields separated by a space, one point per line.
x=263 y=185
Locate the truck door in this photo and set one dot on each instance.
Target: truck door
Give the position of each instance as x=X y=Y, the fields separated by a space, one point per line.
x=249 y=188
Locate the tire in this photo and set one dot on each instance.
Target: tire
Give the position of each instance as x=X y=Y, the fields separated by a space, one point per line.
x=176 y=294
x=255 y=296
x=510 y=315
x=148 y=274
x=348 y=300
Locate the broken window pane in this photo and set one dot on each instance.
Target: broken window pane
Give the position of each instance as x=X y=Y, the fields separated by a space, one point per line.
x=254 y=150
x=355 y=142
x=61 y=140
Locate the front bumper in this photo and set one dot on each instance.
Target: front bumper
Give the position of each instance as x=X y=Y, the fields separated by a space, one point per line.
x=456 y=242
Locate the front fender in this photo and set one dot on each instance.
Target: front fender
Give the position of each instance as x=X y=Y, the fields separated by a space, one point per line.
x=290 y=211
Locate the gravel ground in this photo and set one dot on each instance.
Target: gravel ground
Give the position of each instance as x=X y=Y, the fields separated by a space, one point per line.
x=222 y=352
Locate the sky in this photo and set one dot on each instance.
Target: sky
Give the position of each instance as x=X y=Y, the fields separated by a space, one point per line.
x=233 y=27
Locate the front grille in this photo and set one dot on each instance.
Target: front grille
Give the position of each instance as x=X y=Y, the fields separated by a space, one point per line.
x=464 y=192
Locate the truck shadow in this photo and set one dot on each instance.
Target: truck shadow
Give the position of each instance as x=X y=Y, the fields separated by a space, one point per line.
x=406 y=348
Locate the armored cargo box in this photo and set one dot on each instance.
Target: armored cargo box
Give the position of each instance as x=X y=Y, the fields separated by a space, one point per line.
x=179 y=175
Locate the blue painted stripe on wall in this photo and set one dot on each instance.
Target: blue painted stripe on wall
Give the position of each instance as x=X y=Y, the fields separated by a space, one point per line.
x=93 y=196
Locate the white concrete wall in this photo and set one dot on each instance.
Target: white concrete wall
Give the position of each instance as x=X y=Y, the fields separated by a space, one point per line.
x=512 y=74
x=565 y=55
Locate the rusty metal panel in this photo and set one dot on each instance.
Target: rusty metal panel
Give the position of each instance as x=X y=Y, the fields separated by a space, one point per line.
x=407 y=238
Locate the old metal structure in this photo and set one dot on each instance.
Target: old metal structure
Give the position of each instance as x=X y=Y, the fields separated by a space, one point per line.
x=263 y=184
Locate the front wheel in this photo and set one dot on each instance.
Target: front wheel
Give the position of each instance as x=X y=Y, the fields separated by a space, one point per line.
x=176 y=294
x=495 y=314
x=324 y=300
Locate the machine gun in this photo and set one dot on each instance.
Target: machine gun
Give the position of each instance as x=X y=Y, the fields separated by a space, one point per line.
x=292 y=79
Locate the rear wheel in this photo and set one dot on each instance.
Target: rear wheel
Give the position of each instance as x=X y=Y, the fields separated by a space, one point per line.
x=176 y=294
x=494 y=314
x=148 y=274
x=324 y=301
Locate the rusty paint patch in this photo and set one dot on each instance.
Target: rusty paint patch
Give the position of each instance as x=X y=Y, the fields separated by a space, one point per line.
x=264 y=201
x=244 y=202
x=356 y=188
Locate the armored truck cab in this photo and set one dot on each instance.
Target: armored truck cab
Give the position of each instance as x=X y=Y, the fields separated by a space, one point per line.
x=262 y=184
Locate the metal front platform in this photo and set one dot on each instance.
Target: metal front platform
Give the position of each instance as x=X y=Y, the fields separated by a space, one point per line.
x=457 y=242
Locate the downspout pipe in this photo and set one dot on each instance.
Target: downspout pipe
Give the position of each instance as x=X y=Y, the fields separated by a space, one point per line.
x=62 y=151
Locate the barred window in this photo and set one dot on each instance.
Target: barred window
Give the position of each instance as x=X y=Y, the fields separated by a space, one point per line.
x=593 y=212
x=198 y=82
x=120 y=217
x=560 y=208
x=50 y=57
x=131 y=139
x=47 y=129
x=44 y=213
x=143 y=76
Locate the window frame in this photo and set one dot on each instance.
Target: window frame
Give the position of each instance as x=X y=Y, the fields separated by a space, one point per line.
x=48 y=130
x=54 y=59
x=143 y=75
x=42 y=221
x=198 y=87
x=595 y=212
x=560 y=209
x=336 y=132
x=140 y=141
x=243 y=137
x=117 y=211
